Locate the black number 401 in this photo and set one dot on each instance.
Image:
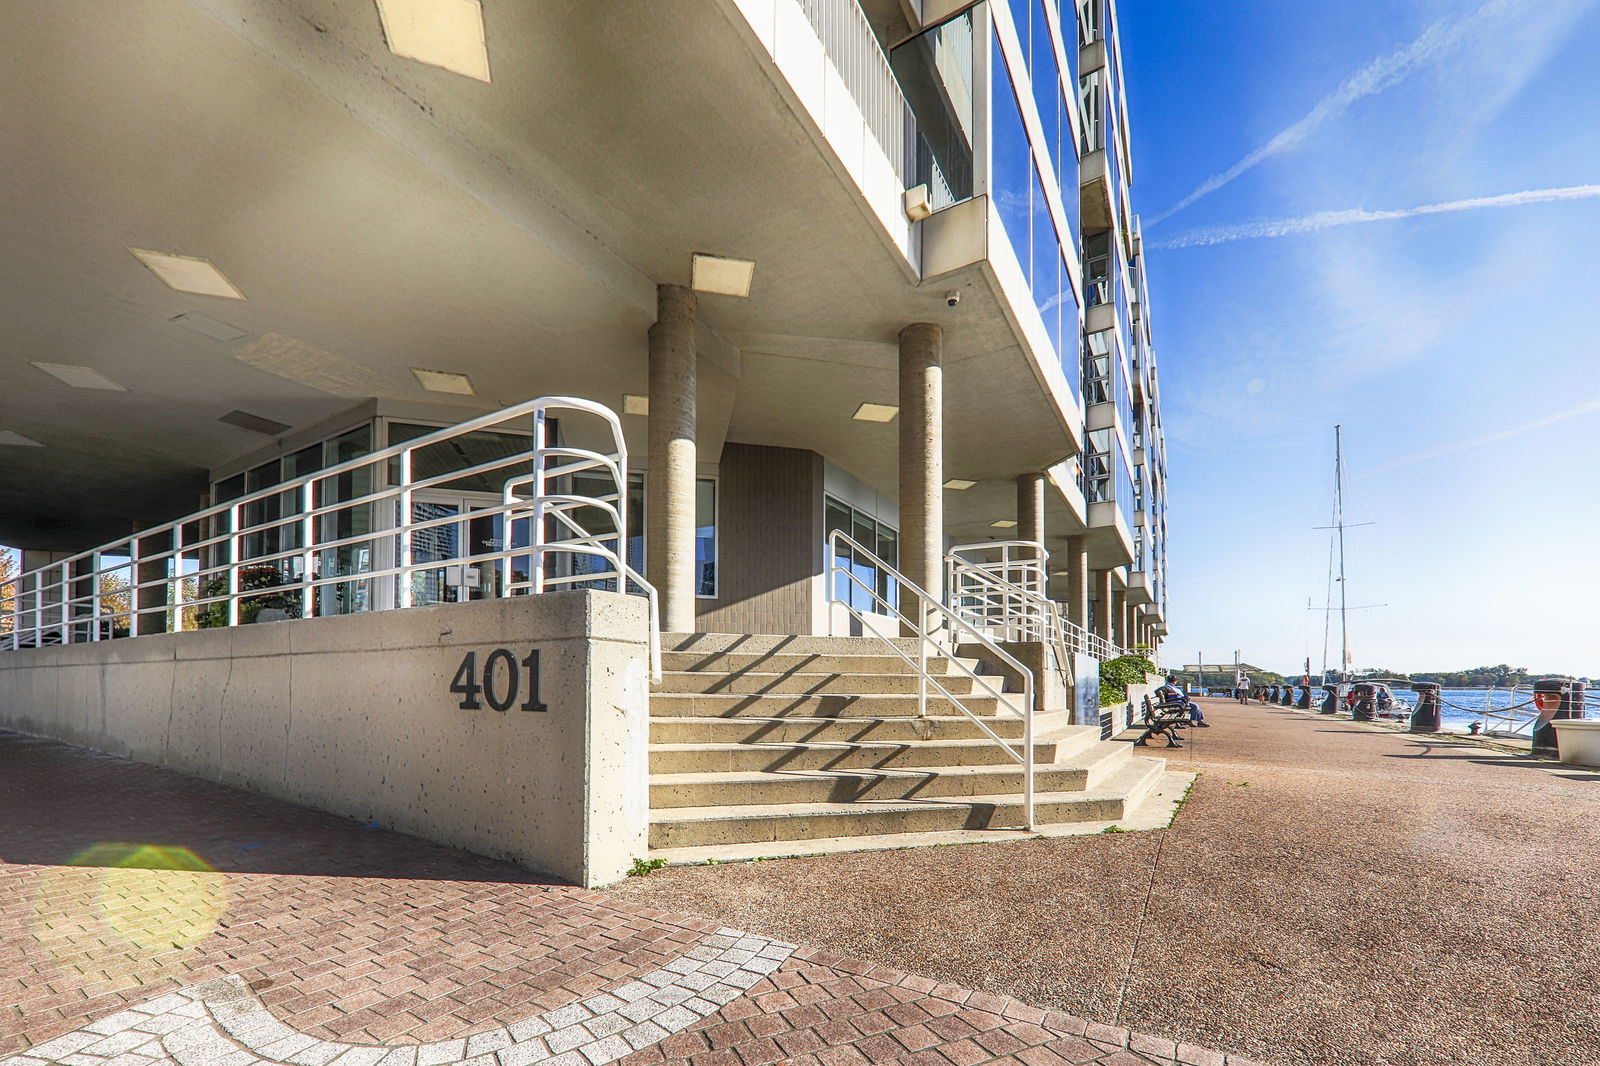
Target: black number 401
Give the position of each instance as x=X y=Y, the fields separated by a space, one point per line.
x=500 y=696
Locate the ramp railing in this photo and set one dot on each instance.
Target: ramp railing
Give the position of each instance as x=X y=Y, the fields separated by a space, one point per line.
x=365 y=534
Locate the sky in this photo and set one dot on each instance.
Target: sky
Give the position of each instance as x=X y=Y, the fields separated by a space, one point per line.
x=1382 y=215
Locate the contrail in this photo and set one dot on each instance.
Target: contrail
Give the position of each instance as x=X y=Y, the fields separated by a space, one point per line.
x=1579 y=411
x=1373 y=78
x=1285 y=227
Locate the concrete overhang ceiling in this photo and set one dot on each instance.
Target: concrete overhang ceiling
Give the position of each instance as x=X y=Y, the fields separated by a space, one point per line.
x=380 y=215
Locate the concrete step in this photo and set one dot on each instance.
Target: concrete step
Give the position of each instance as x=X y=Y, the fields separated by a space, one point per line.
x=732 y=758
x=802 y=705
x=779 y=824
x=813 y=663
x=1083 y=771
x=766 y=644
x=801 y=730
x=751 y=682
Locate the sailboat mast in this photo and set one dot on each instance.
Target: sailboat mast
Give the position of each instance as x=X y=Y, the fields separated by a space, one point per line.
x=1338 y=522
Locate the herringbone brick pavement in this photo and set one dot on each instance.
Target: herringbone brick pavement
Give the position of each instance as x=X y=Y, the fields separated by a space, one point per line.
x=121 y=883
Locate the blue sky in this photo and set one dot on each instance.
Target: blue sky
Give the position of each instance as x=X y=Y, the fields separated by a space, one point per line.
x=1460 y=348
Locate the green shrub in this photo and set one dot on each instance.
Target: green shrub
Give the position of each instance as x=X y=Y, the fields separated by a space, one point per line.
x=1117 y=674
x=251 y=578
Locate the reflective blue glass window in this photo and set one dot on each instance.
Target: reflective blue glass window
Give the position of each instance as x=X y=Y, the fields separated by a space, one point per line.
x=1011 y=171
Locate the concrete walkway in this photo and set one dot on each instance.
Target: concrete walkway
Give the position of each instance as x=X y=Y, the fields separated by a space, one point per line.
x=1331 y=894
x=148 y=919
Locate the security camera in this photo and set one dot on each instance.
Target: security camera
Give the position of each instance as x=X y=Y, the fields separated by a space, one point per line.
x=952 y=297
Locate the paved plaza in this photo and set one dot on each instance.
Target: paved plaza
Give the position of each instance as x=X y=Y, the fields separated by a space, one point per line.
x=1330 y=895
x=149 y=918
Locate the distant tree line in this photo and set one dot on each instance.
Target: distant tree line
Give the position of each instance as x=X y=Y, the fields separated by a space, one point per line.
x=1502 y=676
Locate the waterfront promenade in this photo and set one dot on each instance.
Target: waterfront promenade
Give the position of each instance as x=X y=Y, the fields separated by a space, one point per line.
x=1330 y=894
x=322 y=942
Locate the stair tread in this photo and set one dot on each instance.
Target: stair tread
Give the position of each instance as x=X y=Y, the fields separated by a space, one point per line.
x=835 y=745
x=1081 y=760
x=1117 y=785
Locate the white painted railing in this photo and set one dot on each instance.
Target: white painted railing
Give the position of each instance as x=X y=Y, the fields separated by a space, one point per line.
x=350 y=538
x=852 y=47
x=1001 y=585
x=928 y=621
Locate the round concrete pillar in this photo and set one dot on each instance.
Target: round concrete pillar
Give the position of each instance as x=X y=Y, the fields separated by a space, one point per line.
x=1077 y=559
x=1119 y=619
x=669 y=524
x=1030 y=507
x=1103 y=605
x=922 y=456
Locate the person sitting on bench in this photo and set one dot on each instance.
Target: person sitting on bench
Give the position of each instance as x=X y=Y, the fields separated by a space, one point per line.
x=1163 y=719
x=1171 y=695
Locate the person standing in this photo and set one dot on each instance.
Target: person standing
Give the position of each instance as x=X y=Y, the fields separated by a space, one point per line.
x=1241 y=688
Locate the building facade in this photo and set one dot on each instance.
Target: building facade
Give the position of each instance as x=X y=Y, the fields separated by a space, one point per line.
x=898 y=178
x=845 y=292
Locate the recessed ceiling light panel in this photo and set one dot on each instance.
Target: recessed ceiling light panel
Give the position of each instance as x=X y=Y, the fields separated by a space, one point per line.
x=14 y=439
x=81 y=377
x=635 y=405
x=208 y=327
x=255 y=423
x=441 y=33
x=724 y=277
x=959 y=484
x=188 y=273
x=876 y=412
x=445 y=381
x=1004 y=523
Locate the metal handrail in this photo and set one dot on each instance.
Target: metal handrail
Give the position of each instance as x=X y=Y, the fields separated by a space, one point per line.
x=985 y=588
x=210 y=544
x=930 y=606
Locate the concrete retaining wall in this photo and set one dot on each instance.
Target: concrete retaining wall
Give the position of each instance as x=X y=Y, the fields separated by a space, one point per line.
x=355 y=715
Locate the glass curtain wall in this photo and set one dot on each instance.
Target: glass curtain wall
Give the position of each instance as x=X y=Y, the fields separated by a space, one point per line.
x=1033 y=176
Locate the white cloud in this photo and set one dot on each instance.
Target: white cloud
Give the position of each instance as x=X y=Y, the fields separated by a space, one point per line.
x=1434 y=42
x=1321 y=220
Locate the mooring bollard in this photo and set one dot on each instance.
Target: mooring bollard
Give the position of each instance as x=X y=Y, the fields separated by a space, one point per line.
x=1288 y=696
x=1305 y=697
x=1330 y=699
x=1364 y=703
x=1426 y=717
x=1556 y=698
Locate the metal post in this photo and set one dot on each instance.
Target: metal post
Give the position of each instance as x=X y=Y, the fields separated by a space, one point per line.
x=175 y=569
x=94 y=594
x=402 y=588
x=233 y=565
x=536 y=535
x=308 y=552
x=66 y=592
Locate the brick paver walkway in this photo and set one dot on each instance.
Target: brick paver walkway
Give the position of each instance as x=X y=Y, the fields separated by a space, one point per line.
x=149 y=918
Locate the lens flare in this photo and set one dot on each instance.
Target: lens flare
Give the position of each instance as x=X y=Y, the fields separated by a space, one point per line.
x=127 y=910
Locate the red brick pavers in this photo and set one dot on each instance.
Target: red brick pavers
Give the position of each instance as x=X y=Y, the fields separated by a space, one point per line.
x=355 y=935
x=1329 y=895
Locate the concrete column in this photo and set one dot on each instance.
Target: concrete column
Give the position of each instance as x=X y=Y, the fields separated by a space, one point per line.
x=1077 y=558
x=669 y=491
x=1103 y=605
x=1119 y=619
x=922 y=456
x=1030 y=507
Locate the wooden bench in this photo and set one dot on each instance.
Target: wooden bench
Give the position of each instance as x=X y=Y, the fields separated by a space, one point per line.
x=1164 y=719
